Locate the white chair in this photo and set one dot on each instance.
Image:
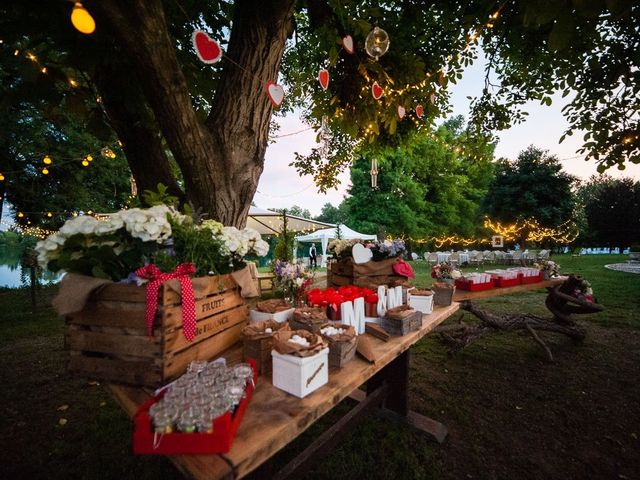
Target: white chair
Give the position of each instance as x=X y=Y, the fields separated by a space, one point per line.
x=432 y=258
x=516 y=257
x=454 y=259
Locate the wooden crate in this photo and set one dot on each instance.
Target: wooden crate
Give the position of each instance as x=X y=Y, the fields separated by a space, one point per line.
x=108 y=338
x=340 y=353
x=260 y=350
x=401 y=326
x=371 y=274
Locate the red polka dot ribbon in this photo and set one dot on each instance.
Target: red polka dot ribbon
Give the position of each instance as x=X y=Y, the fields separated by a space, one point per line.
x=156 y=278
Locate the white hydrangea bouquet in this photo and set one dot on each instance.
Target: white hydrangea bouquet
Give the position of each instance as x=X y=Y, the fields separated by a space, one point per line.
x=117 y=245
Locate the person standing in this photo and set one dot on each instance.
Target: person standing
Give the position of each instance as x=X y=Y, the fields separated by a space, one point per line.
x=313 y=259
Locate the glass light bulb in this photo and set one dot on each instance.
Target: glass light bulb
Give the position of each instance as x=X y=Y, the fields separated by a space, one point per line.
x=82 y=20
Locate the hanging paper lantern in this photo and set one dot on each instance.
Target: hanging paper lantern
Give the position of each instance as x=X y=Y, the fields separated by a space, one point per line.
x=377 y=43
x=82 y=20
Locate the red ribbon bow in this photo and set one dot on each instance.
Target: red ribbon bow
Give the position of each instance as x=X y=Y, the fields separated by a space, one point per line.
x=156 y=278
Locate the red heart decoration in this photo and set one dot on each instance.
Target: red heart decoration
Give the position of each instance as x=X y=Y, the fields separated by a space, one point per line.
x=323 y=78
x=419 y=111
x=207 y=49
x=401 y=112
x=347 y=43
x=376 y=90
x=275 y=93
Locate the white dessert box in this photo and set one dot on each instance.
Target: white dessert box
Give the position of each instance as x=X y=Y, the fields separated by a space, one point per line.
x=280 y=317
x=422 y=303
x=300 y=376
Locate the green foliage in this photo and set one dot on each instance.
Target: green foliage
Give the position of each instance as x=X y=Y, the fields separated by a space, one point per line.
x=13 y=247
x=295 y=210
x=331 y=214
x=612 y=211
x=533 y=185
x=424 y=187
x=586 y=48
x=159 y=197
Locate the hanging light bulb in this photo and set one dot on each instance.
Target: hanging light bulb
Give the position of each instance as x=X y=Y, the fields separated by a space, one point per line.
x=49 y=214
x=45 y=171
x=82 y=20
x=89 y=158
x=377 y=43
x=106 y=152
x=47 y=160
x=85 y=162
x=20 y=215
x=1 y=177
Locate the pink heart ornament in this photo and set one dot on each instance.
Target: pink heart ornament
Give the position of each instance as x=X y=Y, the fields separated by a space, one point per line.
x=323 y=78
x=347 y=43
x=206 y=48
x=275 y=93
x=419 y=111
x=376 y=90
x=401 y=112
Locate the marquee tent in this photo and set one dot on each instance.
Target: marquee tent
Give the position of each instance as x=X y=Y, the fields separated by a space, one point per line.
x=325 y=235
x=268 y=222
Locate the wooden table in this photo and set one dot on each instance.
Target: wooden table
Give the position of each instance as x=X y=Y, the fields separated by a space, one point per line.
x=275 y=418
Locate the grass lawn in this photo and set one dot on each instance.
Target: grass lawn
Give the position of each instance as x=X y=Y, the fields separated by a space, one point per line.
x=511 y=415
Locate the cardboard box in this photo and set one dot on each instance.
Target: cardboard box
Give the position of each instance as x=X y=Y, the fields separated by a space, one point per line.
x=300 y=376
x=280 y=317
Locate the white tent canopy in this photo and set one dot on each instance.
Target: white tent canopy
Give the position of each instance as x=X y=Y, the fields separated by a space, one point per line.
x=268 y=222
x=327 y=234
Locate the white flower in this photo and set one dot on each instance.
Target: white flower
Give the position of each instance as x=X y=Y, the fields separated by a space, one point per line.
x=148 y=225
x=455 y=274
x=261 y=248
x=215 y=227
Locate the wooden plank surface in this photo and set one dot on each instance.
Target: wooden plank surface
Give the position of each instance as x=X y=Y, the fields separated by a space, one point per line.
x=275 y=418
x=460 y=295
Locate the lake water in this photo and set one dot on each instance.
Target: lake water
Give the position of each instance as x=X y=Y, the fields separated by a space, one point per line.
x=11 y=278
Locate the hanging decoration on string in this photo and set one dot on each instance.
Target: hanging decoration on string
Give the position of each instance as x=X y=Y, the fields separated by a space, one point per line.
x=432 y=98
x=377 y=43
x=325 y=137
x=323 y=78
x=275 y=93
x=376 y=91
x=374 y=173
x=206 y=48
x=347 y=43
x=82 y=20
x=401 y=112
x=419 y=111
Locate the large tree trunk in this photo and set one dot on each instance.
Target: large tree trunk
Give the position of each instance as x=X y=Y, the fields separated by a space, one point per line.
x=221 y=161
x=136 y=128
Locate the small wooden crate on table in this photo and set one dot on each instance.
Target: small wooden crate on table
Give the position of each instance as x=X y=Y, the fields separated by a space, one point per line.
x=345 y=272
x=108 y=338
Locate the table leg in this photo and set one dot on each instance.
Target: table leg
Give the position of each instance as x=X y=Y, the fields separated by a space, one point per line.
x=396 y=405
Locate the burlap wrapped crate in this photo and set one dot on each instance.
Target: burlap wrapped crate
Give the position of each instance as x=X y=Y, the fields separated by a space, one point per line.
x=342 y=347
x=308 y=318
x=257 y=343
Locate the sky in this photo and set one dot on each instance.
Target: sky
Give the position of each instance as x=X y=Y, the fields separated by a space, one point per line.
x=281 y=187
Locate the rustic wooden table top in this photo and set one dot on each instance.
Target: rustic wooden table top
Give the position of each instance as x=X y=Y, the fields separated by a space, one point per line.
x=275 y=418
x=460 y=295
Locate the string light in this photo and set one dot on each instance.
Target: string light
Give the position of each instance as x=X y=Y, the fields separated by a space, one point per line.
x=82 y=20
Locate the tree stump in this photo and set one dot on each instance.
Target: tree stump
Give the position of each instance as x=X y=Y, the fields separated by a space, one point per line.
x=559 y=301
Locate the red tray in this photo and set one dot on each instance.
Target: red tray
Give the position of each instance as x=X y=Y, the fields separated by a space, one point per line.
x=506 y=282
x=146 y=442
x=463 y=284
x=536 y=279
